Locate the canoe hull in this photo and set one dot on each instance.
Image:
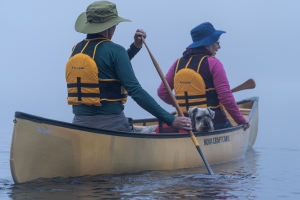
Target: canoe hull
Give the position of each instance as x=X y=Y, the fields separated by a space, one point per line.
x=46 y=150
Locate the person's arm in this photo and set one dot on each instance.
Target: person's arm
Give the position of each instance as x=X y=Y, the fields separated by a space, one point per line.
x=132 y=51
x=162 y=91
x=136 y=46
x=127 y=77
x=223 y=89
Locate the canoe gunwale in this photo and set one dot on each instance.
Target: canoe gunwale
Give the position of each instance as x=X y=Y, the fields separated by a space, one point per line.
x=38 y=119
x=254 y=106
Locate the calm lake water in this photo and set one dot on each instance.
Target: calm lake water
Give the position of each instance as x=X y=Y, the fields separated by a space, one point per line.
x=265 y=172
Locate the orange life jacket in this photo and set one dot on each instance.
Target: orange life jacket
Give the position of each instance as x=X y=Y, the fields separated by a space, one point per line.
x=189 y=86
x=83 y=83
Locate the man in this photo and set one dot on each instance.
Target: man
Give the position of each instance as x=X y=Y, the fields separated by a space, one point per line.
x=100 y=76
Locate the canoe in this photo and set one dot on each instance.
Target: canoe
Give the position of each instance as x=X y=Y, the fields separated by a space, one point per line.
x=48 y=148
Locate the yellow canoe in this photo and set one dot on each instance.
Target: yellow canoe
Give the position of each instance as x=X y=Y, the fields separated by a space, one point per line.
x=47 y=148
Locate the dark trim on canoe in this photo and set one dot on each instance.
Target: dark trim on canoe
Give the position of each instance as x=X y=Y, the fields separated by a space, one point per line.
x=136 y=135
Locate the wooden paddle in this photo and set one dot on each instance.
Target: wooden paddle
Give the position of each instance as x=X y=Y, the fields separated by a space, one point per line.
x=178 y=108
x=249 y=84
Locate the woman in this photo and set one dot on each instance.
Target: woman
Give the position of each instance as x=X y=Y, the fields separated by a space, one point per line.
x=200 y=80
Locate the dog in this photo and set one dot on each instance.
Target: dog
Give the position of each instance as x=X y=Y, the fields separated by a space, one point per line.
x=202 y=119
x=145 y=129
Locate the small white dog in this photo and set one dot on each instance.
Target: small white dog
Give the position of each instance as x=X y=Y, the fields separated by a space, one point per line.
x=202 y=119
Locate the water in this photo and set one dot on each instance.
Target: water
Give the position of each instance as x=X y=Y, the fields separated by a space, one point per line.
x=263 y=173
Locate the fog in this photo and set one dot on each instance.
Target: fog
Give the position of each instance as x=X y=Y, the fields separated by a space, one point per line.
x=261 y=42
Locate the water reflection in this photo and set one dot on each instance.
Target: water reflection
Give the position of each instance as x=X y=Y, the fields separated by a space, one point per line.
x=235 y=179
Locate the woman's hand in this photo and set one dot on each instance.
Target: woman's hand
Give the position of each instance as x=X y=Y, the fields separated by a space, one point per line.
x=138 y=38
x=182 y=123
x=247 y=122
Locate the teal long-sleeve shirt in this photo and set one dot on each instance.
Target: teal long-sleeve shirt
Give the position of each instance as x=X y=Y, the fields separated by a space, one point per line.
x=113 y=63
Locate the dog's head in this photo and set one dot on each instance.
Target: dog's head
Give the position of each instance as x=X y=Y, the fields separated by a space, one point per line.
x=202 y=118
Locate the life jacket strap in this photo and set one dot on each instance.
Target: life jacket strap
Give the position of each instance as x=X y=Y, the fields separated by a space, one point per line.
x=186 y=96
x=200 y=63
x=109 y=90
x=79 y=88
x=87 y=85
x=177 y=65
x=102 y=96
x=211 y=94
x=191 y=97
x=188 y=105
x=88 y=47
x=83 y=95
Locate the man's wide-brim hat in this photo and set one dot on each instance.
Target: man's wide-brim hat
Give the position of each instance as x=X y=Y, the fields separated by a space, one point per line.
x=99 y=16
x=204 y=35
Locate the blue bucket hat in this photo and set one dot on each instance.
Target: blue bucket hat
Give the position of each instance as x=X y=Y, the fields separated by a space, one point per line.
x=204 y=34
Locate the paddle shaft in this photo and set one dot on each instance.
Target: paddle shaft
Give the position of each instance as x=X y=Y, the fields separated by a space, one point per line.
x=180 y=113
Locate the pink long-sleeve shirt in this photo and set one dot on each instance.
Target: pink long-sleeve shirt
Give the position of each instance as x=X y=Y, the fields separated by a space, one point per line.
x=220 y=82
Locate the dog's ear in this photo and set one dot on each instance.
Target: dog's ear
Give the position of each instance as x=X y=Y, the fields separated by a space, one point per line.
x=192 y=114
x=211 y=113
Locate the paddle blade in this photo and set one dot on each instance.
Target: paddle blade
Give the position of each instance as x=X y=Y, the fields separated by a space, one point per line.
x=249 y=84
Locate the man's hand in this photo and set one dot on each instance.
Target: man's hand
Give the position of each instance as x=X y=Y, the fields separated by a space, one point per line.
x=182 y=123
x=138 y=38
x=247 y=124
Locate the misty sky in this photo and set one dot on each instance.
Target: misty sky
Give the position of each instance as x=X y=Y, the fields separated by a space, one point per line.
x=261 y=43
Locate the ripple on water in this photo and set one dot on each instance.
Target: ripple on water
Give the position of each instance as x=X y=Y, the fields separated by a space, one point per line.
x=235 y=179
x=138 y=186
